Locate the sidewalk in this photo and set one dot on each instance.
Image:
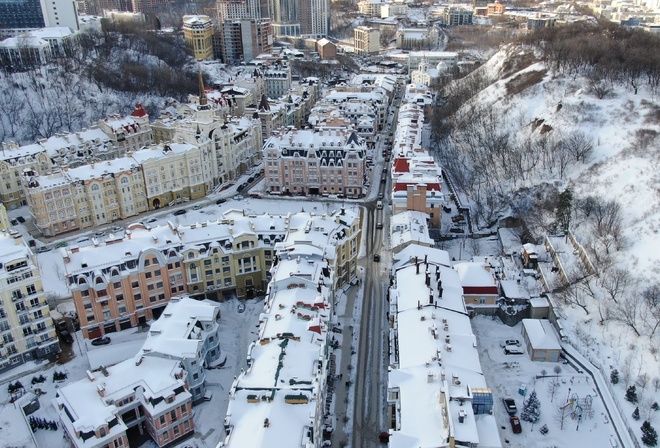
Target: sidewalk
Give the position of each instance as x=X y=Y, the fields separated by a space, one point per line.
x=341 y=402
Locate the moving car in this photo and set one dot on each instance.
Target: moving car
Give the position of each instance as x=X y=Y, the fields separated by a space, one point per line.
x=180 y=212
x=220 y=201
x=379 y=225
x=101 y=341
x=376 y=257
x=510 y=406
x=515 y=425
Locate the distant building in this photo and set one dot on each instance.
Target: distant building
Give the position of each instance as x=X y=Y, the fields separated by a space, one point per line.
x=455 y=16
x=367 y=40
x=417 y=38
x=326 y=49
x=245 y=39
x=19 y=16
x=198 y=34
x=393 y=9
x=128 y=133
x=539 y=22
x=496 y=8
x=371 y=8
x=26 y=328
x=314 y=18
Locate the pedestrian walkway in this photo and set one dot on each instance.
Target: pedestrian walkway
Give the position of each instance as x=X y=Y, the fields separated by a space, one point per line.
x=342 y=382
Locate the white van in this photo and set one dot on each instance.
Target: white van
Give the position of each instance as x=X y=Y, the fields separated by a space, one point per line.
x=379 y=205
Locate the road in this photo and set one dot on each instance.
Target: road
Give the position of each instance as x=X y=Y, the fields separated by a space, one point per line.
x=371 y=378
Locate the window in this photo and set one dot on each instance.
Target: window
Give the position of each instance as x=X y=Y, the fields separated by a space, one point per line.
x=137 y=297
x=135 y=284
x=116 y=285
x=120 y=297
x=162 y=420
x=31 y=289
x=176 y=431
x=166 y=435
x=106 y=314
x=157 y=273
x=173 y=415
x=148 y=274
x=147 y=262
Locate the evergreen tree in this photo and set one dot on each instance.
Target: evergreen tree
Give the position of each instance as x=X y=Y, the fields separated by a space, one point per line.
x=614 y=376
x=532 y=408
x=631 y=394
x=635 y=413
x=655 y=406
x=649 y=435
x=564 y=210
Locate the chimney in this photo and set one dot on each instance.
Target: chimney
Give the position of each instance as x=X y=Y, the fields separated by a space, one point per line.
x=90 y=376
x=101 y=390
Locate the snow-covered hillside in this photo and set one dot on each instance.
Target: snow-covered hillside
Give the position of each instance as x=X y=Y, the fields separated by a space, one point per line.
x=611 y=315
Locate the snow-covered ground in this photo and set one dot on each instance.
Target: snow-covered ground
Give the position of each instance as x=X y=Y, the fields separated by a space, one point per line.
x=508 y=374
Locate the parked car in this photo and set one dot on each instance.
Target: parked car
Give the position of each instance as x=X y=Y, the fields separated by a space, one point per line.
x=151 y=220
x=250 y=179
x=458 y=218
x=446 y=209
x=66 y=336
x=379 y=225
x=42 y=249
x=197 y=207
x=456 y=230
x=510 y=406
x=82 y=240
x=515 y=424
x=376 y=257
x=241 y=187
x=512 y=350
x=180 y=212
x=117 y=229
x=101 y=341
x=515 y=342
x=14 y=222
x=255 y=196
x=241 y=307
x=99 y=234
x=220 y=201
x=20 y=219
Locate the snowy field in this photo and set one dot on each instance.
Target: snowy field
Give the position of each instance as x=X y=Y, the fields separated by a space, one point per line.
x=505 y=374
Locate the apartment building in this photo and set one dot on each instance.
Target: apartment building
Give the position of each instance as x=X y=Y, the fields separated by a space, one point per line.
x=19 y=16
x=367 y=40
x=14 y=161
x=187 y=331
x=176 y=172
x=244 y=39
x=436 y=392
x=417 y=38
x=86 y=196
x=283 y=403
x=315 y=161
x=26 y=328
x=371 y=8
x=128 y=133
x=456 y=16
x=135 y=275
x=198 y=33
x=147 y=392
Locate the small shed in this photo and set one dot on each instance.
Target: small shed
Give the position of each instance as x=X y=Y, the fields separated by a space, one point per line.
x=541 y=340
x=530 y=256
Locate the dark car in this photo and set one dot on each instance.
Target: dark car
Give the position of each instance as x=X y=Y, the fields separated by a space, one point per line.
x=458 y=218
x=510 y=406
x=66 y=336
x=20 y=219
x=376 y=257
x=14 y=222
x=221 y=201
x=180 y=212
x=241 y=307
x=515 y=425
x=101 y=341
x=32 y=243
x=250 y=179
x=379 y=225
x=446 y=209
x=241 y=187
x=456 y=230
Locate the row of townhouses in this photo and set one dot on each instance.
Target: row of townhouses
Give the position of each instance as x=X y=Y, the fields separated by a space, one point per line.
x=153 y=391
x=129 y=278
x=280 y=399
x=437 y=394
x=26 y=329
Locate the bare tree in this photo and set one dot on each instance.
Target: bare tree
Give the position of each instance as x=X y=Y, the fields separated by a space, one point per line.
x=573 y=295
x=627 y=311
x=656 y=383
x=579 y=146
x=615 y=282
x=562 y=411
x=651 y=296
x=642 y=381
x=552 y=388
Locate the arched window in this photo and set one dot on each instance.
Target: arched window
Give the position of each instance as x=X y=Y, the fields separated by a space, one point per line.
x=95 y=187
